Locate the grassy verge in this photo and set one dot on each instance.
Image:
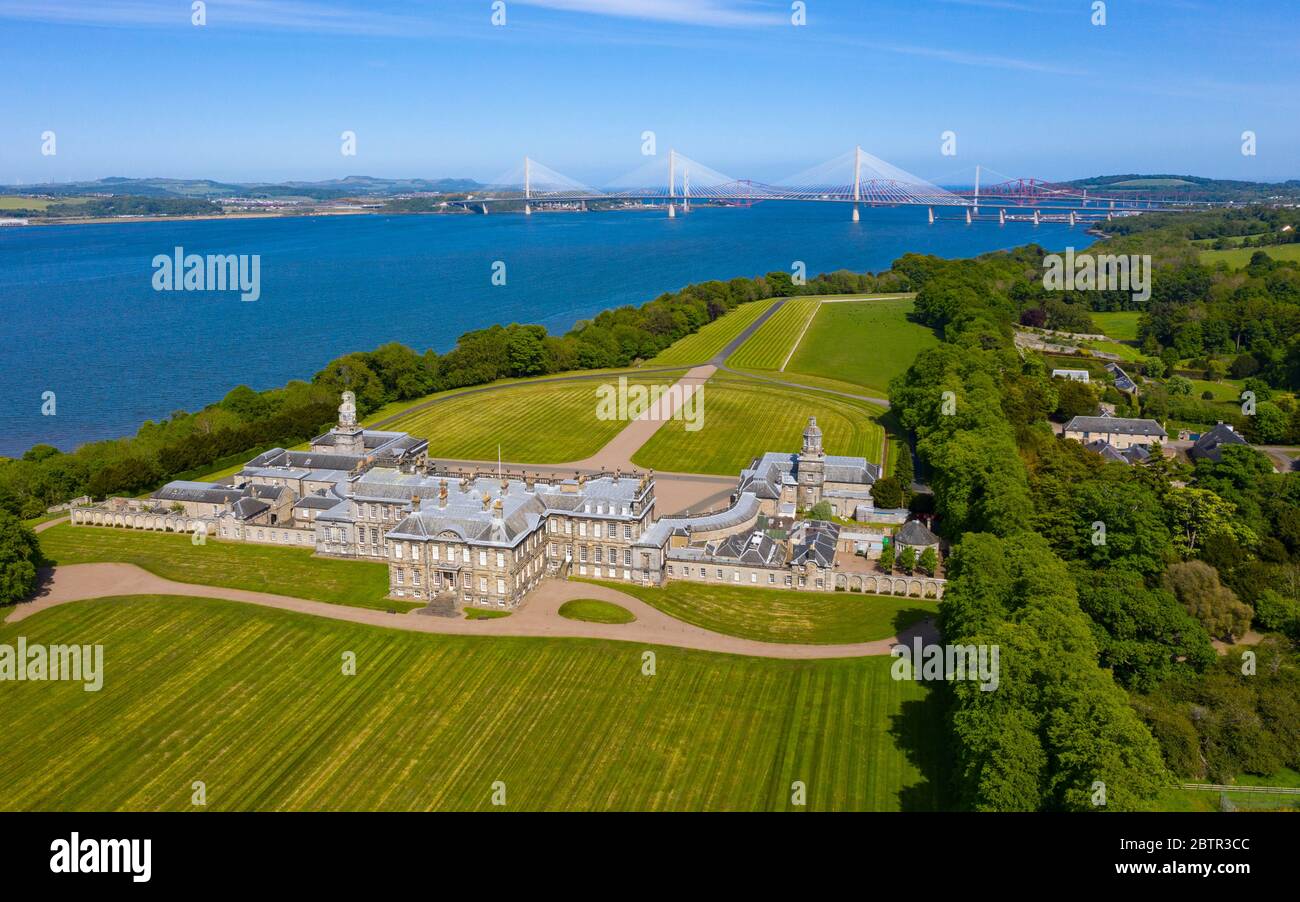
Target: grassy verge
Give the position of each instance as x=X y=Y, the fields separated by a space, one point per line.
x=592 y=610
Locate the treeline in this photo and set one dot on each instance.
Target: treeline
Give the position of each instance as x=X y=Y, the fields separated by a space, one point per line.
x=251 y=421
x=1095 y=578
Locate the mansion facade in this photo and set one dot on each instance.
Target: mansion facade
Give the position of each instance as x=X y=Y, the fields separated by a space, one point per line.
x=486 y=539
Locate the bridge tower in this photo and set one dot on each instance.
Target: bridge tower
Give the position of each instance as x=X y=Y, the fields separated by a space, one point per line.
x=977 y=189
x=1072 y=219
x=528 y=186
x=857 y=181
x=932 y=216
x=1036 y=220
x=686 y=189
x=1002 y=217
x=672 y=182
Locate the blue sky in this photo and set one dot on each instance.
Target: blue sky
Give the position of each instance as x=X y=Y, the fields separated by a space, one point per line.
x=263 y=91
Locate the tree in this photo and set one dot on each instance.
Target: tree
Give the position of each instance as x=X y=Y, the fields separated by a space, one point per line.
x=1198 y=513
x=1178 y=386
x=907 y=559
x=887 y=558
x=929 y=561
x=20 y=556
x=1075 y=399
x=887 y=493
x=1196 y=586
x=821 y=511
x=1269 y=424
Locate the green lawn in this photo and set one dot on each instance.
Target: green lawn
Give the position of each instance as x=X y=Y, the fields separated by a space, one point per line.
x=744 y=417
x=533 y=423
x=782 y=615
x=593 y=610
x=866 y=343
x=1121 y=325
x=768 y=348
x=1238 y=257
x=254 y=703
x=699 y=347
x=234 y=565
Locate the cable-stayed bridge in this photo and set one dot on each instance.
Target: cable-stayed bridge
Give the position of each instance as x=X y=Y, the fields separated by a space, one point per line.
x=675 y=182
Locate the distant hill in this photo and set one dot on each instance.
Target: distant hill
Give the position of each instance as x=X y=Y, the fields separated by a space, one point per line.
x=352 y=186
x=1191 y=187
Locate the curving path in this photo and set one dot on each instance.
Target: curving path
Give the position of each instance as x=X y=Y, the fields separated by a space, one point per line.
x=538 y=618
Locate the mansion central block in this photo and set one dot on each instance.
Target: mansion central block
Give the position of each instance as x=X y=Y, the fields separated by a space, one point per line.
x=487 y=539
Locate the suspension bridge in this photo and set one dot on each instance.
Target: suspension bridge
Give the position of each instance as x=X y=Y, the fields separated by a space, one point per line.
x=675 y=182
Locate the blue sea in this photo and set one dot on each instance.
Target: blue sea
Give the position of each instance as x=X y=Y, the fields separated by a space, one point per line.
x=82 y=319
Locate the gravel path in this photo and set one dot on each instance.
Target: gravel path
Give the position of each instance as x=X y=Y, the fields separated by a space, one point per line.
x=539 y=617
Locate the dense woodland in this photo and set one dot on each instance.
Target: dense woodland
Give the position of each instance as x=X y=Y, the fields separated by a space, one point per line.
x=1103 y=583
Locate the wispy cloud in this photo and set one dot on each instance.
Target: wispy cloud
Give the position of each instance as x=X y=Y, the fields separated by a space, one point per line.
x=983 y=60
x=287 y=15
x=713 y=13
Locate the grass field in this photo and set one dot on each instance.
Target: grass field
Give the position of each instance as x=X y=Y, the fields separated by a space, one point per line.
x=744 y=417
x=1121 y=325
x=701 y=346
x=593 y=610
x=233 y=565
x=780 y=615
x=533 y=423
x=13 y=202
x=253 y=702
x=866 y=343
x=768 y=348
x=1238 y=257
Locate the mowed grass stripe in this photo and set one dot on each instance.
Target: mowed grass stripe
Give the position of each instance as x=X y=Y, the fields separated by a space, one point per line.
x=701 y=346
x=866 y=343
x=743 y=418
x=767 y=348
x=254 y=703
x=532 y=423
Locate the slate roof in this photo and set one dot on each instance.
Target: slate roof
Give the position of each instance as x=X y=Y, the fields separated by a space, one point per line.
x=775 y=469
x=914 y=532
x=814 y=542
x=1210 y=445
x=1116 y=426
x=202 y=492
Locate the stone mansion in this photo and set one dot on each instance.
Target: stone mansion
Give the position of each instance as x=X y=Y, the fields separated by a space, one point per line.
x=487 y=539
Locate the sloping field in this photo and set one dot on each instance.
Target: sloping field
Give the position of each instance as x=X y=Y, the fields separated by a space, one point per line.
x=702 y=345
x=744 y=417
x=866 y=343
x=254 y=703
x=768 y=348
x=533 y=423
x=1238 y=257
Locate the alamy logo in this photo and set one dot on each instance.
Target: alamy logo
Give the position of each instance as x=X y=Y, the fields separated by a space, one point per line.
x=657 y=403
x=65 y=663
x=937 y=663
x=215 y=272
x=103 y=856
x=1100 y=272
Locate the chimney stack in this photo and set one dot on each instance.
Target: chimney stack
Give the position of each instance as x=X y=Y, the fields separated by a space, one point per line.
x=442 y=493
x=487 y=501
